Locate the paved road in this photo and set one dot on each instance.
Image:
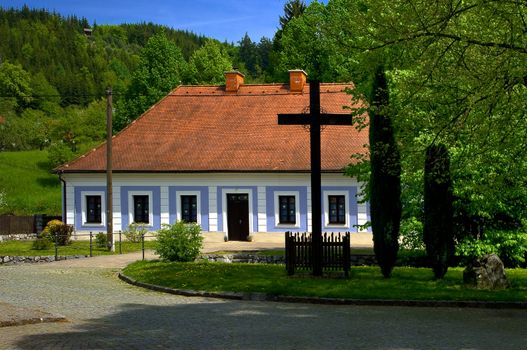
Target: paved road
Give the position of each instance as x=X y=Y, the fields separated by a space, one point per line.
x=105 y=313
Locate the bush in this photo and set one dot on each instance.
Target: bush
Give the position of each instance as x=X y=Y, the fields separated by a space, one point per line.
x=57 y=231
x=41 y=243
x=135 y=232
x=101 y=240
x=58 y=154
x=179 y=242
x=510 y=246
x=412 y=234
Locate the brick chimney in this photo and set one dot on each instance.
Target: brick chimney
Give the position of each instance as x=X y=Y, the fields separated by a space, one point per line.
x=297 y=80
x=233 y=80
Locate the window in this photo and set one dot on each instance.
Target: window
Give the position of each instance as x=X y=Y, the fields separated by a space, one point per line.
x=189 y=208
x=93 y=209
x=337 y=209
x=287 y=210
x=141 y=209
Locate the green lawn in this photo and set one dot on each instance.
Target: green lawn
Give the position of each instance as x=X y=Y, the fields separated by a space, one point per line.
x=24 y=248
x=281 y=252
x=364 y=282
x=28 y=185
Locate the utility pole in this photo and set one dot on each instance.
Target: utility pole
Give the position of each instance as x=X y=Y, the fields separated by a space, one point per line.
x=109 y=185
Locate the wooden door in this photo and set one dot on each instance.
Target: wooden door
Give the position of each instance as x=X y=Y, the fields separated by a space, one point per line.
x=238 y=216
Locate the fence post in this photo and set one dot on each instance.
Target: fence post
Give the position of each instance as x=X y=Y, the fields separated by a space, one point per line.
x=91 y=244
x=347 y=254
x=120 y=243
x=56 y=246
x=143 y=245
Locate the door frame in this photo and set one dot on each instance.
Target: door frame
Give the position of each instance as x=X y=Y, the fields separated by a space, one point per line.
x=224 y=192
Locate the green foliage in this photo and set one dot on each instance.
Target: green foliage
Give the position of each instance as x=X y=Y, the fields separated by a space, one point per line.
x=15 y=82
x=208 y=63
x=179 y=242
x=438 y=232
x=412 y=234
x=101 y=240
x=58 y=232
x=41 y=243
x=58 y=154
x=29 y=187
x=385 y=186
x=161 y=68
x=510 y=246
x=135 y=232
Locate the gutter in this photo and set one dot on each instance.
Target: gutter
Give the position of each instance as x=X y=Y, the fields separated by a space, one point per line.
x=64 y=213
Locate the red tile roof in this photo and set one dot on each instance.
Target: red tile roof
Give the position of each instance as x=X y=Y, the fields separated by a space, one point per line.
x=205 y=129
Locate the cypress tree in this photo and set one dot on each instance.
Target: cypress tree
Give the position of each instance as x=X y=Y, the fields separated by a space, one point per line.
x=385 y=184
x=438 y=230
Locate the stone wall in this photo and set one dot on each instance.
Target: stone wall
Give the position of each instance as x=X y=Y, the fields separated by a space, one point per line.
x=18 y=237
x=14 y=260
x=356 y=260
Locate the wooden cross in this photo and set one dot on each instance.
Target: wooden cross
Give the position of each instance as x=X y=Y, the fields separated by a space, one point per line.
x=315 y=119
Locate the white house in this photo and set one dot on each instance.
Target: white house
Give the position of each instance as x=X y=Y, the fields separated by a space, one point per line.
x=216 y=155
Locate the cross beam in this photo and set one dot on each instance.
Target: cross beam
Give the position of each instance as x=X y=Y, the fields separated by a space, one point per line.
x=315 y=119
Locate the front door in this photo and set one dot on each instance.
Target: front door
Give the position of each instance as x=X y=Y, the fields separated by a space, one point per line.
x=238 y=216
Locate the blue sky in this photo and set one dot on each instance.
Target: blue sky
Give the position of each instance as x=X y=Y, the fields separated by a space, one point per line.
x=221 y=19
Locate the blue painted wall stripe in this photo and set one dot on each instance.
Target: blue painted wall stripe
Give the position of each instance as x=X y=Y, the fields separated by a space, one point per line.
x=270 y=207
x=156 y=203
x=204 y=203
x=78 y=208
x=254 y=194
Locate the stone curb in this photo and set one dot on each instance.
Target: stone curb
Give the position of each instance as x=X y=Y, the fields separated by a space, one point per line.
x=35 y=320
x=11 y=315
x=328 y=301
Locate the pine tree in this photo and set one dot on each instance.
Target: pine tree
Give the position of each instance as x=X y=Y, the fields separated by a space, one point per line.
x=385 y=183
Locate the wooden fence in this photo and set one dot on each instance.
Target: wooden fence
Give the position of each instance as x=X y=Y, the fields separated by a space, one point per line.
x=17 y=225
x=335 y=251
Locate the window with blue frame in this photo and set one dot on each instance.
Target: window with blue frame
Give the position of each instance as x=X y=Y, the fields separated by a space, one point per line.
x=93 y=210
x=189 y=208
x=337 y=209
x=287 y=209
x=141 y=209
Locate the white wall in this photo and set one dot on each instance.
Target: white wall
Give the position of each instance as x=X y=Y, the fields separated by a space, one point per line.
x=213 y=181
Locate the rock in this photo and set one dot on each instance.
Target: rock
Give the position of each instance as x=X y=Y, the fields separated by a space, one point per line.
x=486 y=272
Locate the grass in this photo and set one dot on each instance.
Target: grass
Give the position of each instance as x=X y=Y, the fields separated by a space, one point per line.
x=364 y=283
x=28 y=185
x=24 y=248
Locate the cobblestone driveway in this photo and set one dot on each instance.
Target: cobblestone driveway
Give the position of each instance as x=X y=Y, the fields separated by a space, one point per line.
x=105 y=313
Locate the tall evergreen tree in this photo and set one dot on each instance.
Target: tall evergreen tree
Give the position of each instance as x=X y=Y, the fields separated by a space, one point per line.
x=438 y=233
x=292 y=9
x=385 y=183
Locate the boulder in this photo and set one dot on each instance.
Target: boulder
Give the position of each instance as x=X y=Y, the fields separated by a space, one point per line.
x=486 y=272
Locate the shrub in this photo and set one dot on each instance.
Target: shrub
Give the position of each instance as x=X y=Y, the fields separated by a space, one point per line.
x=412 y=234
x=101 y=240
x=135 y=232
x=510 y=246
x=41 y=243
x=179 y=242
x=57 y=231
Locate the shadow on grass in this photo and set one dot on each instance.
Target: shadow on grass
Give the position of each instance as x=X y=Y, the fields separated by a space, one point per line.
x=48 y=181
x=253 y=325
